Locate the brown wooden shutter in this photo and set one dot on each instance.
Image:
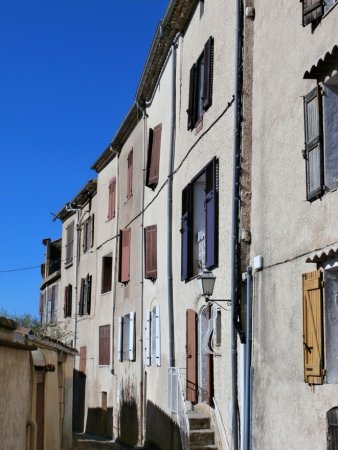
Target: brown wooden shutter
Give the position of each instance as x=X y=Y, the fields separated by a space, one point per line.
x=312 y=10
x=111 y=201
x=83 y=359
x=191 y=355
x=313 y=327
x=125 y=237
x=192 y=107
x=130 y=175
x=82 y=295
x=91 y=237
x=208 y=73
x=154 y=156
x=150 y=252
x=69 y=244
x=104 y=345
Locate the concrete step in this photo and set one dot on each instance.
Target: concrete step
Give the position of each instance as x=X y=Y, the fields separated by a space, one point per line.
x=203 y=447
x=89 y=442
x=198 y=421
x=201 y=437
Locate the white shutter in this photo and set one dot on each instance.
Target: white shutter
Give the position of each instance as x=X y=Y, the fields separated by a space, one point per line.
x=120 y=337
x=148 y=341
x=132 y=337
x=158 y=336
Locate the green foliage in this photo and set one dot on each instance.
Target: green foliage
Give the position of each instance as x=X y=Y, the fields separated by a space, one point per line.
x=24 y=320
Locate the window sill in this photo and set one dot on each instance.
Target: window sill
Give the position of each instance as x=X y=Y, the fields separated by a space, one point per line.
x=104 y=365
x=67 y=265
x=106 y=292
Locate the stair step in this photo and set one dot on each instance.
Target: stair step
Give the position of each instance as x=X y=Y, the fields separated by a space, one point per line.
x=201 y=437
x=198 y=421
x=203 y=447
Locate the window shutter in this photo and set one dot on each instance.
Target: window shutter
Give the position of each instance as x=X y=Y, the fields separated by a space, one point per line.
x=192 y=107
x=88 y=293
x=125 y=236
x=313 y=143
x=154 y=156
x=211 y=215
x=82 y=294
x=111 y=202
x=191 y=349
x=91 y=237
x=148 y=337
x=130 y=175
x=158 y=336
x=150 y=254
x=186 y=233
x=132 y=337
x=120 y=340
x=83 y=359
x=104 y=345
x=208 y=73
x=69 y=244
x=312 y=10
x=312 y=328
x=65 y=304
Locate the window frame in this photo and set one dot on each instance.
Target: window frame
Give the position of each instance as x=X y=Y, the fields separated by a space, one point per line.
x=70 y=229
x=88 y=233
x=130 y=175
x=124 y=259
x=154 y=152
x=104 y=345
x=111 y=199
x=85 y=295
x=68 y=300
x=150 y=252
x=107 y=274
x=127 y=337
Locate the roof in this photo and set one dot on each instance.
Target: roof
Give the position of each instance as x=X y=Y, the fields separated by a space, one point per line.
x=323 y=254
x=325 y=67
x=129 y=123
x=175 y=20
x=88 y=191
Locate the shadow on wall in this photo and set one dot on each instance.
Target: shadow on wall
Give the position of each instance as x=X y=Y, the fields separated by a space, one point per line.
x=162 y=432
x=79 y=390
x=100 y=422
x=128 y=416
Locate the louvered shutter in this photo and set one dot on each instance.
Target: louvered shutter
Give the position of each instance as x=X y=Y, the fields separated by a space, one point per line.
x=132 y=336
x=313 y=328
x=208 y=73
x=88 y=289
x=104 y=345
x=111 y=202
x=157 y=336
x=120 y=340
x=83 y=359
x=191 y=355
x=125 y=237
x=150 y=252
x=82 y=294
x=211 y=215
x=312 y=10
x=148 y=337
x=65 y=304
x=70 y=300
x=192 y=106
x=130 y=175
x=186 y=233
x=91 y=237
x=69 y=245
x=154 y=156
x=313 y=143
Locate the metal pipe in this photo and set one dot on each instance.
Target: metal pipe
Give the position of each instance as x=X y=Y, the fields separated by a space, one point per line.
x=76 y=257
x=170 y=210
x=247 y=389
x=235 y=219
x=33 y=430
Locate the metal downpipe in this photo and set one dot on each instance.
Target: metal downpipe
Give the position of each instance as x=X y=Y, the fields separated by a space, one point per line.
x=247 y=389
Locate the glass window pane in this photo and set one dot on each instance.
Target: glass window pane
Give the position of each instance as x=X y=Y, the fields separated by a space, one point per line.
x=314 y=169
x=312 y=130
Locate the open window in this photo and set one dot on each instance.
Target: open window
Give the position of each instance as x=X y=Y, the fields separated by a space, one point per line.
x=126 y=338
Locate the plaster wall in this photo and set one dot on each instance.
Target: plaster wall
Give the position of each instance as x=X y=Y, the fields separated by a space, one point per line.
x=285 y=227
x=194 y=149
x=15 y=400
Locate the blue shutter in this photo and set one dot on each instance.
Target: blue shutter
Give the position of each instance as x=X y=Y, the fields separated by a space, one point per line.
x=211 y=215
x=186 y=244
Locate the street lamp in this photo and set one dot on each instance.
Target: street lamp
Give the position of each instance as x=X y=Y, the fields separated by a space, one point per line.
x=207 y=284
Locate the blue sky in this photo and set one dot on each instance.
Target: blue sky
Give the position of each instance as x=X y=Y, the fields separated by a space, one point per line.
x=69 y=70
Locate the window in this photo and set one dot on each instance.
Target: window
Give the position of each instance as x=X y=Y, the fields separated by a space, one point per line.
x=67 y=307
x=321 y=138
x=332 y=432
x=320 y=333
x=313 y=10
x=107 y=274
x=199 y=230
x=104 y=345
x=88 y=234
x=154 y=156
x=150 y=252
x=124 y=269
x=153 y=338
x=85 y=295
x=111 y=199
x=200 y=88
x=52 y=293
x=126 y=338
x=69 y=243
x=130 y=175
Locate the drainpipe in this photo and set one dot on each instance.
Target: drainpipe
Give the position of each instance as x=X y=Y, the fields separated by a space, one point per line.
x=235 y=219
x=247 y=393
x=170 y=208
x=33 y=428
